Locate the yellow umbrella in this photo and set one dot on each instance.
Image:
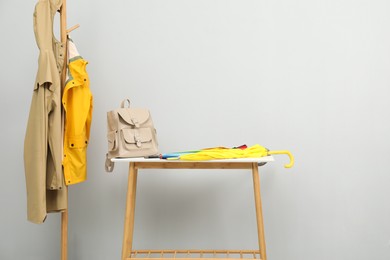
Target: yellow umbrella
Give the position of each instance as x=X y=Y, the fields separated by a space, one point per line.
x=255 y=151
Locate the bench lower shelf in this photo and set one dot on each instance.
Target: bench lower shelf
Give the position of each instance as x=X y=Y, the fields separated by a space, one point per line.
x=194 y=254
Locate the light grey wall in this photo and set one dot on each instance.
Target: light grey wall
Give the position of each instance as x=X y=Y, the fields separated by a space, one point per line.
x=310 y=76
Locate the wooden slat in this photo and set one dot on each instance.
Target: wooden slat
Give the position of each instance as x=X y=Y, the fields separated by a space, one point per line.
x=193 y=251
x=189 y=258
x=193 y=165
x=194 y=254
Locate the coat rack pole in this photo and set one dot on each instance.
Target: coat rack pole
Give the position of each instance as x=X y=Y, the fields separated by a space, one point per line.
x=64 y=214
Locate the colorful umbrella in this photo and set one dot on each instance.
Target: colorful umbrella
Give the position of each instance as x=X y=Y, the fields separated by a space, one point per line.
x=219 y=153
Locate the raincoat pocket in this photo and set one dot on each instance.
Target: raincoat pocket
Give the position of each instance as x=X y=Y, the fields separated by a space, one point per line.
x=77 y=143
x=75 y=160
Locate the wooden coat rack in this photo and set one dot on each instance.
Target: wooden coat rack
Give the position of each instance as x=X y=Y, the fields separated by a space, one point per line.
x=64 y=37
x=64 y=214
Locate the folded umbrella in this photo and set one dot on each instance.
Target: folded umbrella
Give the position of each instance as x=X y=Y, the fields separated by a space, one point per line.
x=218 y=153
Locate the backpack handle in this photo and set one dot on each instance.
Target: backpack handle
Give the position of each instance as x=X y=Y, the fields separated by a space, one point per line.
x=126 y=100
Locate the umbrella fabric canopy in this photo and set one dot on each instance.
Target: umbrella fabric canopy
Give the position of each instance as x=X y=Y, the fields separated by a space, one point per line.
x=217 y=153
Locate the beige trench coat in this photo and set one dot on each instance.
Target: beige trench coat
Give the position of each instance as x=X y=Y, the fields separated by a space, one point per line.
x=46 y=190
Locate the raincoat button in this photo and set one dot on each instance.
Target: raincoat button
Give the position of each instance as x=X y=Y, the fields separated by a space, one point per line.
x=72 y=145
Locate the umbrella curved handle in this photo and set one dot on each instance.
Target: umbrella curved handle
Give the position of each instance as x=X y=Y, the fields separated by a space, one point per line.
x=289 y=165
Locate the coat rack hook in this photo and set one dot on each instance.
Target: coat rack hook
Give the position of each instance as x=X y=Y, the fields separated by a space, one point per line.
x=72 y=28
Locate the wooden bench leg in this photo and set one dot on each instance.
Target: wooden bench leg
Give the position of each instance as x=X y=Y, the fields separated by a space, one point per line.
x=130 y=208
x=259 y=213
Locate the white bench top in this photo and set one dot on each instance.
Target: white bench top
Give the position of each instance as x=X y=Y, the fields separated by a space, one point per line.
x=240 y=160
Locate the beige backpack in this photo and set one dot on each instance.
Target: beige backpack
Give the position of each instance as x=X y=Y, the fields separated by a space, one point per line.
x=130 y=133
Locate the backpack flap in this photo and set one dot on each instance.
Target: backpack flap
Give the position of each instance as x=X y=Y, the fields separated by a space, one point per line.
x=134 y=117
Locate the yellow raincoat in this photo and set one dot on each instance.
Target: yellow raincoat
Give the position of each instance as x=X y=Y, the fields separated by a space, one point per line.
x=77 y=101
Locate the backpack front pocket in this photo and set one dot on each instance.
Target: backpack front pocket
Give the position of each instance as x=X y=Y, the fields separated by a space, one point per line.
x=137 y=138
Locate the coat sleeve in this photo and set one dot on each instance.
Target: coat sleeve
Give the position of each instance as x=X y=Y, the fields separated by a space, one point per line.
x=35 y=153
x=43 y=36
